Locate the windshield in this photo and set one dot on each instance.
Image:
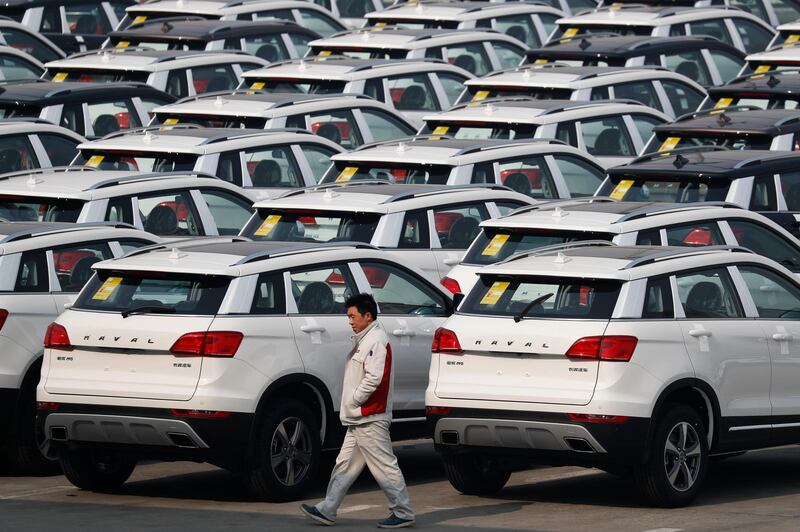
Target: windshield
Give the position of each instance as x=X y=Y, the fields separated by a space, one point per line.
x=431 y=174
x=163 y=292
x=235 y=122
x=681 y=139
x=306 y=86
x=142 y=162
x=479 y=93
x=571 y=298
x=494 y=244
x=685 y=189
x=31 y=209
x=97 y=76
x=311 y=226
x=479 y=130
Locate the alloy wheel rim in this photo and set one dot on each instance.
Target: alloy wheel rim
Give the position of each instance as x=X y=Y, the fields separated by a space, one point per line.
x=290 y=451
x=682 y=456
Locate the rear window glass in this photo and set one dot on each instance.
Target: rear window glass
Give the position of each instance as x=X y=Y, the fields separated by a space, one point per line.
x=31 y=209
x=311 y=226
x=732 y=142
x=493 y=245
x=307 y=86
x=160 y=292
x=236 y=122
x=480 y=93
x=430 y=174
x=666 y=189
x=480 y=130
x=557 y=297
x=97 y=76
x=143 y=162
x=359 y=53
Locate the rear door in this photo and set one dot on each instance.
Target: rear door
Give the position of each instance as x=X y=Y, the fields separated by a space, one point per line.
x=456 y=227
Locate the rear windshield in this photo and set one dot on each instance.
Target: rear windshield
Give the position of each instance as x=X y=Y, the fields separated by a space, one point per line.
x=561 y=297
x=479 y=130
x=360 y=53
x=10 y=110
x=432 y=174
x=143 y=162
x=305 y=86
x=236 y=122
x=32 y=209
x=159 y=45
x=604 y=28
x=311 y=226
x=414 y=24
x=478 y=93
x=165 y=293
x=732 y=142
x=495 y=244
x=96 y=76
x=687 y=189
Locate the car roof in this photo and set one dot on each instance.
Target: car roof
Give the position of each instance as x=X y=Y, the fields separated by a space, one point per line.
x=12 y=126
x=737 y=120
x=639 y=15
x=217 y=8
x=457 y=11
x=384 y=197
x=343 y=68
x=148 y=60
x=203 y=29
x=777 y=54
x=777 y=82
x=707 y=162
x=568 y=77
x=406 y=39
x=52 y=93
x=17 y=237
x=625 y=47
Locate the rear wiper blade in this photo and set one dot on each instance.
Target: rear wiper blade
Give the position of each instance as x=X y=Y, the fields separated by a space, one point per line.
x=529 y=306
x=148 y=309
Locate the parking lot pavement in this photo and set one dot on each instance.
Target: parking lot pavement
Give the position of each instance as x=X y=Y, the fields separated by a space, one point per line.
x=757 y=491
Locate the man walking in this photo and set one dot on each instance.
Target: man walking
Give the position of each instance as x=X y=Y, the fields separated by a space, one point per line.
x=366 y=411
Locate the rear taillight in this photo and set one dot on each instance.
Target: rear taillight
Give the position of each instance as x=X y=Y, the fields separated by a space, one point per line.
x=208 y=344
x=200 y=414
x=451 y=284
x=445 y=341
x=56 y=337
x=45 y=405
x=438 y=410
x=618 y=348
x=598 y=418
x=3 y=317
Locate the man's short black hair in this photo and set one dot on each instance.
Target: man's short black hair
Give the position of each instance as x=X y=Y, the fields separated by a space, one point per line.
x=364 y=303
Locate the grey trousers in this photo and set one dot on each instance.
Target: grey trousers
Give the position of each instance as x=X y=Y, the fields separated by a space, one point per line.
x=368 y=444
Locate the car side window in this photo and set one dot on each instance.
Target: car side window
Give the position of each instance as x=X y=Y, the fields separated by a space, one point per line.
x=457 y=226
x=695 y=234
x=599 y=93
x=273 y=167
x=318 y=158
x=338 y=126
x=754 y=37
x=452 y=84
x=607 y=136
x=520 y=27
x=267 y=47
x=412 y=93
x=712 y=27
x=790 y=186
x=506 y=207
x=398 y=292
x=684 y=98
x=32 y=275
x=60 y=149
x=51 y=19
x=120 y=210
x=762 y=240
x=72 y=118
x=319 y=22
x=229 y=167
x=28 y=44
x=640 y=91
x=658 y=299
x=213 y=78
x=230 y=212
x=110 y=117
x=529 y=176
x=169 y=213
x=374 y=89
x=690 y=64
x=785 y=11
x=86 y=19
x=650 y=237
x=384 y=126
x=269 y=297
x=763 y=197
x=508 y=55
x=300 y=42
x=727 y=64
x=130 y=244
x=644 y=125
x=677 y=30
x=16 y=153
x=176 y=83
x=414 y=233
x=565 y=132
x=756 y=7
x=582 y=179
x=322 y=290
x=708 y=294
x=73 y=263
x=773 y=295
x=471 y=57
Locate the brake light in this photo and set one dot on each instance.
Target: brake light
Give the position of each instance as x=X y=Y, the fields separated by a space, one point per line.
x=438 y=410
x=44 y=405
x=618 y=348
x=211 y=344
x=200 y=414
x=698 y=237
x=56 y=337
x=3 y=317
x=451 y=284
x=598 y=418
x=445 y=341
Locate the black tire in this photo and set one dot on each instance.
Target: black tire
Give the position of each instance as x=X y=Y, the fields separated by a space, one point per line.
x=472 y=474
x=23 y=451
x=679 y=446
x=289 y=434
x=93 y=471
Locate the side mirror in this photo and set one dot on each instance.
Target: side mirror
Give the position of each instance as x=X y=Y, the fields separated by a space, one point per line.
x=458 y=297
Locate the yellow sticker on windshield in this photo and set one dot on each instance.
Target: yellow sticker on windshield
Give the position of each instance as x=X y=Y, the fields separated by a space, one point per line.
x=268 y=225
x=570 y=32
x=107 y=288
x=669 y=144
x=791 y=39
x=495 y=245
x=378 y=26
x=170 y=121
x=95 y=160
x=540 y=62
x=123 y=44
x=441 y=130
x=324 y=53
x=723 y=103
x=61 y=76
x=759 y=72
x=480 y=95
x=346 y=174
x=139 y=19
x=495 y=292
x=258 y=85
x=621 y=189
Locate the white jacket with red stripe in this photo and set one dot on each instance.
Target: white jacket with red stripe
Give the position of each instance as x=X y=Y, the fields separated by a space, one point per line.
x=368 y=379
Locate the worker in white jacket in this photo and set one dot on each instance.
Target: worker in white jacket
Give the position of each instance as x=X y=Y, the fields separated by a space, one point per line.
x=366 y=411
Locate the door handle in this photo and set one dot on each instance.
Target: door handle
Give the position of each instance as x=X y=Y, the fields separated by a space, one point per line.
x=698 y=333
x=312 y=328
x=781 y=337
x=404 y=332
x=451 y=262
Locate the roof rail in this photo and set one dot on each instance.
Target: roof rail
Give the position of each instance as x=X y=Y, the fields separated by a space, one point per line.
x=175 y=57
x=207 y=95
x=407 y=194
x=145 y=129
x=759 y=160
x=664 y=208
x=26 y=120
x=682 y=252
x=572 y=105
x=425 y=136
x=182 y=242
x=499 y=99
x=52 y=169
x=245 y=133
x=715 y=110
x=557 y=203
x=502 y=144
x=108 y=51
x=101 y=86
x=325 y=186
x=147 y=177
x=688 y=149
x=46 y=229
x=151 y=22
x=263 y=255
x=780 y=46
x=544 y=250
x=565 y=40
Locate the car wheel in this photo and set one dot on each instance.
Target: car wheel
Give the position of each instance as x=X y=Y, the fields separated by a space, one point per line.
x=678 y=459
x=286 y=453
x=472 y=474
x=24 y=450
x=95 y=471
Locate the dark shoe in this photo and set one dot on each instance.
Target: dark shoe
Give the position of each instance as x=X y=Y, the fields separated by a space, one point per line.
x=395 y=522
x=312 y=513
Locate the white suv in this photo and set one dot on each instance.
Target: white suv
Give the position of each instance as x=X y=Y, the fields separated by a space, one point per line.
x=42 y=267
x=227 y=347
x=556 y=223
x=30 y=143
x=428 y=226
x=642 y=360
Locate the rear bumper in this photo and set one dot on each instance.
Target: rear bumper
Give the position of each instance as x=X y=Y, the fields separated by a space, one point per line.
x=540 y=437
x=149 y=433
